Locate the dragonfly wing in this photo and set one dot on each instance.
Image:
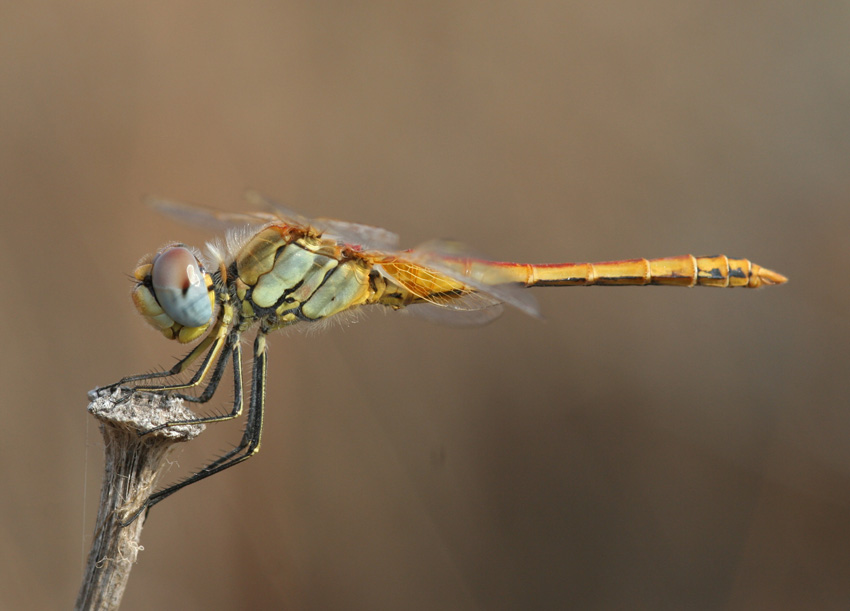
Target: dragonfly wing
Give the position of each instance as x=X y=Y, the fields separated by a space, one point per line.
x=366 y=237
x=287 y=215
x=456 y=317
x=444 y=299
x=201 y=216
x=354 y=234
x=456 y=261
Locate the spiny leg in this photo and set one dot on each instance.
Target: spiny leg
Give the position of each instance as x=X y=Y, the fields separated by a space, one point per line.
x=219 y=337
x=212 y=344
x=250 y=442
x=196 y=379
x=232 y=341
x=179 y=367
x=231 y=348
x=233 y=345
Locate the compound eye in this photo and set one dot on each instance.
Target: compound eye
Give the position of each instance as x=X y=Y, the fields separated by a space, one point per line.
x=179 y=286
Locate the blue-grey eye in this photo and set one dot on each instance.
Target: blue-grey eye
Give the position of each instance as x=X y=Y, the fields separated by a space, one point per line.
x=179 y=286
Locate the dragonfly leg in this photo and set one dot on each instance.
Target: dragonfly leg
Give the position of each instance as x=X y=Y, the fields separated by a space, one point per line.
x=179 y=367
x=250 y=443
x=212 y=344
x=217 y=340
x=231 y=348
x=234 y=346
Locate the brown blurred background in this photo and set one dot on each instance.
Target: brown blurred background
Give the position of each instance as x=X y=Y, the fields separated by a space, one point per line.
x=641 y=448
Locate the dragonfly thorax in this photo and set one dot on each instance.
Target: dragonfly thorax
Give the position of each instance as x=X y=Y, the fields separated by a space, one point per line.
x=286 y=276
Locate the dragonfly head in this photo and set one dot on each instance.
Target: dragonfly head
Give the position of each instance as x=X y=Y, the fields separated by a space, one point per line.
x=174 y=293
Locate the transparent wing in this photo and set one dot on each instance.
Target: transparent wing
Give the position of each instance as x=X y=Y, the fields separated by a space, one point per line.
x=479 y=274
x=445 y=299
x=278 y=210
x=216 y=221
x=366 y=237
x=456 y=317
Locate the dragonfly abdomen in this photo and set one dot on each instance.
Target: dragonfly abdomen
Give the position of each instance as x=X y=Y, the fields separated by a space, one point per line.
x=684 y=270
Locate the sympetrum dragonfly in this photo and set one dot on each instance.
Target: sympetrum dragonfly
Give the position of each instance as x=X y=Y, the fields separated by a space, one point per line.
x=276 y=269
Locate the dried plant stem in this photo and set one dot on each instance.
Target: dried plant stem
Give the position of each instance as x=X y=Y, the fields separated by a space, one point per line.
x=133 y=463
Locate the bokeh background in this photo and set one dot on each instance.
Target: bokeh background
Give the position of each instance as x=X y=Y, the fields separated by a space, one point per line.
x=640 y=448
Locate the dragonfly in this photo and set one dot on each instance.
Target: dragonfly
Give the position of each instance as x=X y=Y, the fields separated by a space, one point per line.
x=276 y=269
